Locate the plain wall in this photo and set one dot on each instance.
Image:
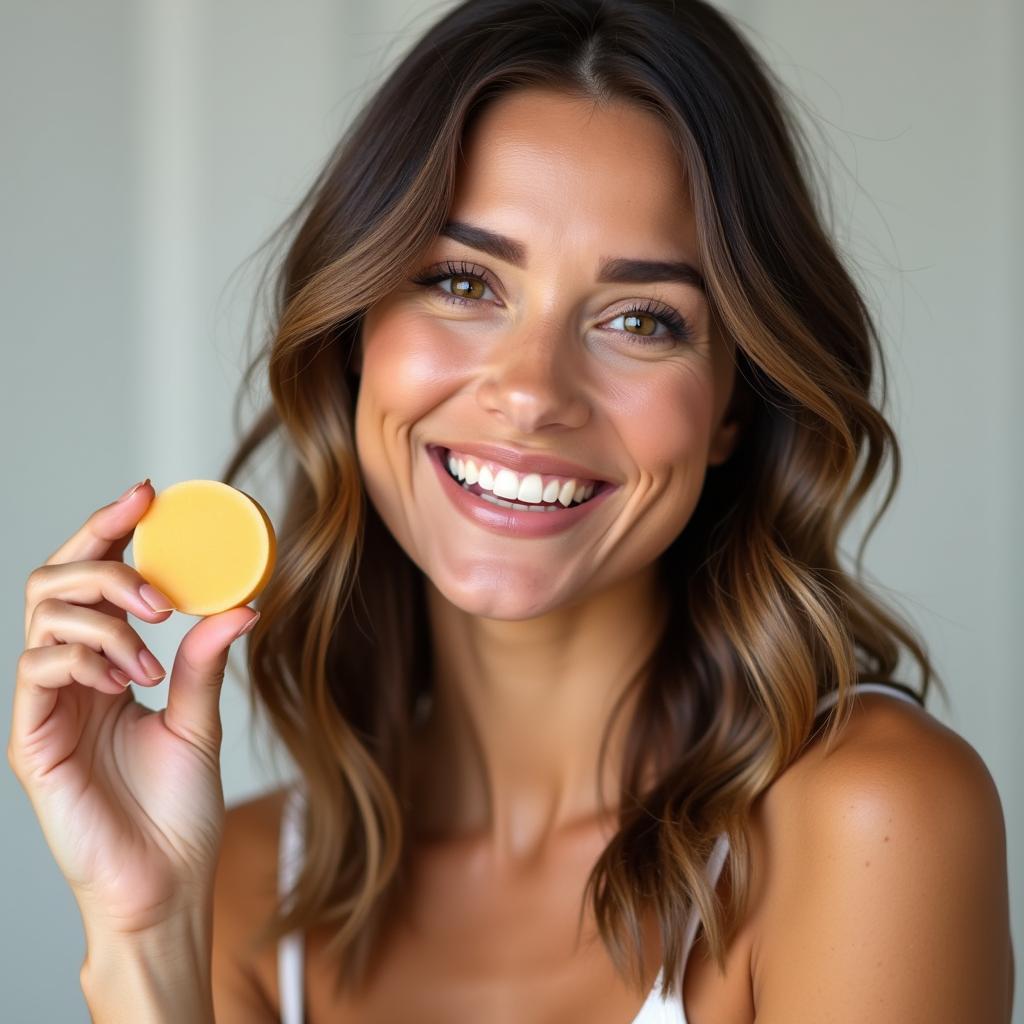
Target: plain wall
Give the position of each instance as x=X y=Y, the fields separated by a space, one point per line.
x=148 y=148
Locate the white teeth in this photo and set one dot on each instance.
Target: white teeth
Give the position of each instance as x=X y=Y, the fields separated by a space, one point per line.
x=528 y=489
x=506 y=484
x=531 y=488
x=511 y=504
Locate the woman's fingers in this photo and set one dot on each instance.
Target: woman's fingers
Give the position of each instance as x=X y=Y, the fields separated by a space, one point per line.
x=112 y=524
x=73 y=644
x=51 y=668
x=193 y=699
x=58 y=622
x=132 y=813
x=41 y=674
x=87 y=583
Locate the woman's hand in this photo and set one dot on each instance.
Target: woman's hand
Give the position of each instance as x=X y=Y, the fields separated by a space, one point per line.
x=129 y=799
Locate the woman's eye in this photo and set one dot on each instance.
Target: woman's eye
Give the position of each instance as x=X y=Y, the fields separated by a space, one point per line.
x=642 y=325
x=466 y=286
x=469 y=286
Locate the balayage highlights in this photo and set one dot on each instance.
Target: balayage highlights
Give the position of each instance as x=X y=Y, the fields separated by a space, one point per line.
x=761 y=617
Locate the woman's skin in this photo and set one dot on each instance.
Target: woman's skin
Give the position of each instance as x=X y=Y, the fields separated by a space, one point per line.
x=878 y=873
x=535 y=638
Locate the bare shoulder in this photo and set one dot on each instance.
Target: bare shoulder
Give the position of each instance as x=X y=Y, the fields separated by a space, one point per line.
x=879 y=866
x=892 y=759
x=245 y=890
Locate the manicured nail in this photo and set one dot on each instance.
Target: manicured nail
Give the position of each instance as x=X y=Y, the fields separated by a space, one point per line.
x=153 y=668
x=156 y=600
x=245 y=629
x=127 y=494
x=119 y=677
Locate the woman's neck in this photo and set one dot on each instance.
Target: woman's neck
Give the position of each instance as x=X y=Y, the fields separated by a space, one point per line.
x=508 y=753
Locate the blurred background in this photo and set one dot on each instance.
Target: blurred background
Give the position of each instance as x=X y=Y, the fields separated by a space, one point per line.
x=149 y=147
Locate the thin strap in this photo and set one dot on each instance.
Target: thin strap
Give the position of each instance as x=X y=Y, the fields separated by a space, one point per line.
x=720 y=851
x=713 y=869
x=290 y=947
x=290 y=951
x=672 y=1011
x=890 y=689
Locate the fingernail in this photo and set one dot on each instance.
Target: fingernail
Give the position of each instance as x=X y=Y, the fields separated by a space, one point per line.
x=156 y=600
x=152 y=667
x=119 y=677
x=245 y=629
x=127 y=494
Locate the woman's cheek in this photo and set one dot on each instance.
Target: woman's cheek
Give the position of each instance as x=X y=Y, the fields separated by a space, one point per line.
x=404 y=358
x=664 y=416
x=406 y=374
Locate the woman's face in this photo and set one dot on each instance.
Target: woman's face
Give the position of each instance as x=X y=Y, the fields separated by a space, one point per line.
x=543 y=356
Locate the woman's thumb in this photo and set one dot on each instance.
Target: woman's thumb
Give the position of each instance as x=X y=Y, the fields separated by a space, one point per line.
x=193 y=700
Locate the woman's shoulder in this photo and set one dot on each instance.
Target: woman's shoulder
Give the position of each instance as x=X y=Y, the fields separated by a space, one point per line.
x=250 y=841
x=244 y=896
x=889 y=756
x=886 y=847
x=258 y=817
x=889 y=781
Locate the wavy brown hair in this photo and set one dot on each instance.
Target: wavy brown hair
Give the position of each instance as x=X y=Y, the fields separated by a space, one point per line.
x=762 y=618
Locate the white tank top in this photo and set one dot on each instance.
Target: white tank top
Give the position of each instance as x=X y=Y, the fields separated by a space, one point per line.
x=655 y=1009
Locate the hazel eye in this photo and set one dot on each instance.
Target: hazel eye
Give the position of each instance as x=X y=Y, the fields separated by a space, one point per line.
x=631 y=320
x=466 y=286
x=469 y=284
x=677 y=329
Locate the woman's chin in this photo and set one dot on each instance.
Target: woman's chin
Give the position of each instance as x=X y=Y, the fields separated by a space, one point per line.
x=508 y=593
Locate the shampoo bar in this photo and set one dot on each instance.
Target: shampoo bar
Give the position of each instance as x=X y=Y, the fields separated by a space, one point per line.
x=208 y=546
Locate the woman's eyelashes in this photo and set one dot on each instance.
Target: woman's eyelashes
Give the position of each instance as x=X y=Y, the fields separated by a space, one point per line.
x=474 y=282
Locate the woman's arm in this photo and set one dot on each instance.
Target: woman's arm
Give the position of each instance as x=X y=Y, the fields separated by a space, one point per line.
x=197 y=970
x=160 y=976
x=888 y=897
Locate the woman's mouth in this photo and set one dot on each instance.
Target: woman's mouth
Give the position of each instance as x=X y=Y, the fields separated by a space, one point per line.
x=542 y=504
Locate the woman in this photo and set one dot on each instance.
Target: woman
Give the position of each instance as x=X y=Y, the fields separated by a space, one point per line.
x=590 y=722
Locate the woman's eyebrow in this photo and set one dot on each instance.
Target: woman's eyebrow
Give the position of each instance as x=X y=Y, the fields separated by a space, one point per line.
x=612 y=271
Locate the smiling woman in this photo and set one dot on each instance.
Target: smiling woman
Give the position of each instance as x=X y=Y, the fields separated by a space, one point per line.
x=582 y=398
x=591 y=721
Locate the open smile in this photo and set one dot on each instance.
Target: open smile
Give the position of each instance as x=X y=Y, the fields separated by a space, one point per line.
x=518 y=518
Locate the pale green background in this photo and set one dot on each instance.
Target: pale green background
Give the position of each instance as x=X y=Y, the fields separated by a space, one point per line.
x=147 y=147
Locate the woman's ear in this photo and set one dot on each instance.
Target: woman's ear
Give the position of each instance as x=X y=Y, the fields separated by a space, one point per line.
x=730 y=428
x=724 y=441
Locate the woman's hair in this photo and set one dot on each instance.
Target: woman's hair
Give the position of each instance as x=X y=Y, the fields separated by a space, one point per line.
x=762 y=619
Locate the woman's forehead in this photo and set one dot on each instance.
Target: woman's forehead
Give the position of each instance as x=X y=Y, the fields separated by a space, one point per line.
x=569 y=172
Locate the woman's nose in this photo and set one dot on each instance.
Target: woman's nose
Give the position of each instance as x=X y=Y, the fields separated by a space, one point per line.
x=535 y=379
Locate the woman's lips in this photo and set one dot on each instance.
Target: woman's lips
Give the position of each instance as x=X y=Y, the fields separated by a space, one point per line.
x=511 y=521
x=522 y=462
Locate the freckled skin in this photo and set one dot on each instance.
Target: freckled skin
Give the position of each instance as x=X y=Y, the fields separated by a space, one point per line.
x=534 y=639
x=537 y=636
